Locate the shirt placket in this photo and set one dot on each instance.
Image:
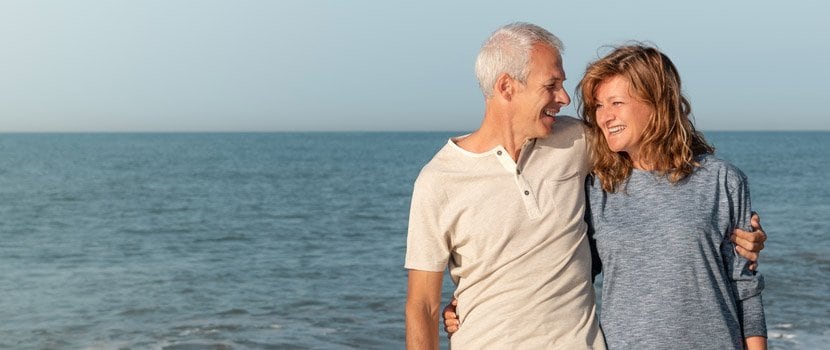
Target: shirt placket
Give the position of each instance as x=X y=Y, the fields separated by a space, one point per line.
x=526 y=191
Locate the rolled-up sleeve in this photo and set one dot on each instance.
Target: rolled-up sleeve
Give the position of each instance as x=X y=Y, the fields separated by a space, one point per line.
x=747 y=284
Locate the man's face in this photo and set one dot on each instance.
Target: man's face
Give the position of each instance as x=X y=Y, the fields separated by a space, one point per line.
x=543 y=95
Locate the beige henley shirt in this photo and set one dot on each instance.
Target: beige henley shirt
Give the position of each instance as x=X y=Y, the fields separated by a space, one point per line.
x=514 y=237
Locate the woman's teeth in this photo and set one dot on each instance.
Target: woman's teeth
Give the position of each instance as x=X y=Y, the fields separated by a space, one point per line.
x=616 y=129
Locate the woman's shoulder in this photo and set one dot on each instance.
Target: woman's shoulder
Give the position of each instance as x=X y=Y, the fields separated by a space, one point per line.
x=725 y=169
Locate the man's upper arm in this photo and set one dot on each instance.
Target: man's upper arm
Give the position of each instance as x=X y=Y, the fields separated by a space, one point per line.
x=424 y=287
x=428 y=242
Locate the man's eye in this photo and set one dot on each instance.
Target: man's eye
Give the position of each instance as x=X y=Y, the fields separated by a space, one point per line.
x=554 y=86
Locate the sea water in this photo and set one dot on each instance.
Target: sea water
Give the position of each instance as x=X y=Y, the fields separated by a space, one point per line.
x=296 y=240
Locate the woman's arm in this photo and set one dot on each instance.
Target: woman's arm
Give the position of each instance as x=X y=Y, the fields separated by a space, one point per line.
x=747 y=284
x=451 y=321
x=756 y=343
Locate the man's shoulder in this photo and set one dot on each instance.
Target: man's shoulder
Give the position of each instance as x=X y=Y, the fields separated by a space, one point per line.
x=567 y=132
x=447 y=156
x=446 y=160
x=569 y=121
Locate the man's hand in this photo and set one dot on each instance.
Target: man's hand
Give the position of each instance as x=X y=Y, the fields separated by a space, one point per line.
x=750 y=244
x=451 y=322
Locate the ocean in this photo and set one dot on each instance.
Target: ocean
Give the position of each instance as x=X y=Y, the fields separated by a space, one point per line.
x=296 y=240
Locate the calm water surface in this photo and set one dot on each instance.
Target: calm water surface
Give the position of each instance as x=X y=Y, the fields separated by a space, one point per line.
x=294 y=240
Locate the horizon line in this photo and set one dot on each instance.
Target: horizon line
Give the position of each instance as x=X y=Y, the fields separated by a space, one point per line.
x=2 y=132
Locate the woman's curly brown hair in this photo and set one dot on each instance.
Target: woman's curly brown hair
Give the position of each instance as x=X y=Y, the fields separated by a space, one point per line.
x=669 y=142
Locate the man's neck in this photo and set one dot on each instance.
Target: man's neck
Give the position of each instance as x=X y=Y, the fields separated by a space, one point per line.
x=491 y=134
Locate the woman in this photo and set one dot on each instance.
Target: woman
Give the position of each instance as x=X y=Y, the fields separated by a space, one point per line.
x=661 y=208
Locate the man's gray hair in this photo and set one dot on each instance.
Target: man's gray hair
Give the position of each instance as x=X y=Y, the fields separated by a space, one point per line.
x=508 y=50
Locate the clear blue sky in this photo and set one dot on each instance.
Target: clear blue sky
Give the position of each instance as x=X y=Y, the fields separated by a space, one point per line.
x=187 y=65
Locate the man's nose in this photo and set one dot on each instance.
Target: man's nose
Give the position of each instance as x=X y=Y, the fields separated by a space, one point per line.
x=563 y=98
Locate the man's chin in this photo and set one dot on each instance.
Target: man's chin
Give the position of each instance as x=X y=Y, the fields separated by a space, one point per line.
x=548 y=123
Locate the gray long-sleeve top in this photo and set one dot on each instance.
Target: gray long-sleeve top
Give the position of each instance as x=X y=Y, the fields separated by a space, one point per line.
x=671 y=278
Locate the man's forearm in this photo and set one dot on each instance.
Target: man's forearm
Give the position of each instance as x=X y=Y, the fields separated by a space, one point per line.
x=421 y=327
x=423 y=298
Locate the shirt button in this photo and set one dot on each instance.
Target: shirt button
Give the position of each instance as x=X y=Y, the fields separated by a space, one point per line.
x=518 y=172
x=498 y=152
x=527 y=193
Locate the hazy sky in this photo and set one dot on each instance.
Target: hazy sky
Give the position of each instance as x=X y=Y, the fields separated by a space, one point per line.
x=237 y=65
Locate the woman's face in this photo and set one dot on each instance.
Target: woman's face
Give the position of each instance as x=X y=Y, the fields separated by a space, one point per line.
x=621 y=116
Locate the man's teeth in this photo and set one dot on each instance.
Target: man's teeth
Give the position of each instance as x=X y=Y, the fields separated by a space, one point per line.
x=616 y=129
x=550 y=113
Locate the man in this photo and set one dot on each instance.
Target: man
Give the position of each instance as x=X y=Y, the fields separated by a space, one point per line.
x=504 y=208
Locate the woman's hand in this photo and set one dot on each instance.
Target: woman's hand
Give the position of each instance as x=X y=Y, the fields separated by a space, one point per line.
x=750 y=244
x=451 y=322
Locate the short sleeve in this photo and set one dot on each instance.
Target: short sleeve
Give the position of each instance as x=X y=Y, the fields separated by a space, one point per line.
x=428 y=241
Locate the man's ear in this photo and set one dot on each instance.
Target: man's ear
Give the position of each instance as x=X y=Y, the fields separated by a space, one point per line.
x=505 y=87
